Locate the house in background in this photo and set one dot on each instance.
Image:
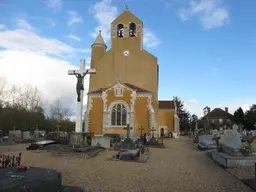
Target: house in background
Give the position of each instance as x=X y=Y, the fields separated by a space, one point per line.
x=217 y=118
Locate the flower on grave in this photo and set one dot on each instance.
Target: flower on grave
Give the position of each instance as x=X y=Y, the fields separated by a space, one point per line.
x=247 y=148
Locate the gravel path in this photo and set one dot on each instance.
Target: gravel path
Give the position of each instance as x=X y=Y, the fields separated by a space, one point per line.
x=178 y=168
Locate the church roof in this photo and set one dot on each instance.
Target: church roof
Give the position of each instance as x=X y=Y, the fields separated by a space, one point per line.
x=169 y=104
x=133 y=87
x=99 y=40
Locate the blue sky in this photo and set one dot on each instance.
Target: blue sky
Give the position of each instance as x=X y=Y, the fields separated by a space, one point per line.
x=206 y=49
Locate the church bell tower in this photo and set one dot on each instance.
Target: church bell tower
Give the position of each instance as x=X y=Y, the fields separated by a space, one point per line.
x=127 y=32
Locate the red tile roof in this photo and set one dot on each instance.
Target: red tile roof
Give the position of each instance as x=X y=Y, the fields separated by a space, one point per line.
x=219 y=113
x=133 y=87
x=166 y=104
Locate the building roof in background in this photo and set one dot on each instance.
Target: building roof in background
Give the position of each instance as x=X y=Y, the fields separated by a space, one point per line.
x=219 y=113
x=169 y=104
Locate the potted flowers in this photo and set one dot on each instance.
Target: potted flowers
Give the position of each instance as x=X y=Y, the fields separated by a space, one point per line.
x=246 y=149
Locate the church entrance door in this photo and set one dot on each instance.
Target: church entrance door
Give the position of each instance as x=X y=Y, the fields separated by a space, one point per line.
x=162 y=132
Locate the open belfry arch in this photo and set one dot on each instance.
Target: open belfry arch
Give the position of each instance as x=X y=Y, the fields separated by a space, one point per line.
x=125 y=88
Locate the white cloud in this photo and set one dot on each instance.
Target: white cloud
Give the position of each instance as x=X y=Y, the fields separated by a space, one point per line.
x=104 y=13
x=149 y=39
x=74 y=37
x=210 y=13
x=25 y=40
x=48 y=74
x=2 y=26
x=54 y=4
x=74 y=17
x=52 y=23
x=23 y=24
x=190 y=101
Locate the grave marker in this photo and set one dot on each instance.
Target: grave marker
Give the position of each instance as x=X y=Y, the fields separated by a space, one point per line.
x=153 y=132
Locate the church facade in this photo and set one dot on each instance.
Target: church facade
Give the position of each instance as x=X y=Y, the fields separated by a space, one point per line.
x=124 y=91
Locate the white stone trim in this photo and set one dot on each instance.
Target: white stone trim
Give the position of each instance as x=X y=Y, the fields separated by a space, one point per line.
x=152 y=120
x=133 y=99
x=105 y=108
x=176 y=124
x=143 y=94
x=89 y=107
x=104 y=98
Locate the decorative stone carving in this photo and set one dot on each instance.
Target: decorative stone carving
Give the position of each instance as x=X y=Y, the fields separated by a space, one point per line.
x=104 y=98
x=89 y=107
x=105 y=123
x=133 y=98
x=119 y=89
x=131 y=122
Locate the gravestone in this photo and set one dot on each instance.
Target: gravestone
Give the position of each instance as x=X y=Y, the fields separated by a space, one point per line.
x=206 y=142
x=32 y=179
x=103 y=141
x=26 y=135
x=78 y=140
x=128 y=142
x=128 y=155
x=16 y=133
x=152 y=140
x=230 y=142
x=141 y=136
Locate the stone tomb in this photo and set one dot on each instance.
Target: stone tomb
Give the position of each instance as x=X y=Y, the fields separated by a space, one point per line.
x=206 y=142
x=103 y=141
x=230 y=155
x=78 y=140
x=231 y=142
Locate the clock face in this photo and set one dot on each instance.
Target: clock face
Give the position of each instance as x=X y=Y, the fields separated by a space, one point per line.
x=126 y=53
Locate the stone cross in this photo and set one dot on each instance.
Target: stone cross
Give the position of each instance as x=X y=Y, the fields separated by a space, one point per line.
x=141 y=129
x=153 y=132
x=81 y=72
x=128 y=128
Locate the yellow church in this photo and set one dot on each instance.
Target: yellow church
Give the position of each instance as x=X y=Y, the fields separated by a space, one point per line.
x=124 y=91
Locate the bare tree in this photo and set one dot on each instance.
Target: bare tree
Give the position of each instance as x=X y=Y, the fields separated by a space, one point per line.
x=3 y=84
x=58 y=111
x=30 y=98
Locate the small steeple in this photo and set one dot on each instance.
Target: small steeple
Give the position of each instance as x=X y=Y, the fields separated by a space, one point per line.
x=99 y=40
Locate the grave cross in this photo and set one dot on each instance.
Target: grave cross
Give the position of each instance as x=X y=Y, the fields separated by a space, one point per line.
x=141 y=129
x=153 y=132
x=80 y=74
x=128 y=128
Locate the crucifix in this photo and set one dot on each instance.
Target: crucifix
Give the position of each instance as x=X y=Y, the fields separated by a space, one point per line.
x=141 y=129
x=128 y=128
x=153 y=131
x=80 y=74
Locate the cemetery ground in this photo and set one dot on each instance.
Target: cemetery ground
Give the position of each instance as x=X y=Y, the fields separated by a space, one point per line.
x=177 y=167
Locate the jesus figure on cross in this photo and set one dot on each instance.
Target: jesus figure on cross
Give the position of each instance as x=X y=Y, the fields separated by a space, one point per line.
x=79 y=84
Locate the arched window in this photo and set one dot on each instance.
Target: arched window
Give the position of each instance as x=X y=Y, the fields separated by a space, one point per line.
x=119 y=115
x=132 y=30
x=120 y=30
